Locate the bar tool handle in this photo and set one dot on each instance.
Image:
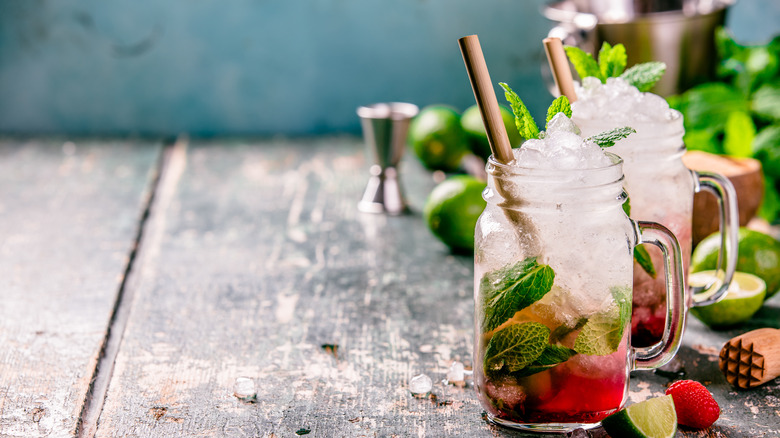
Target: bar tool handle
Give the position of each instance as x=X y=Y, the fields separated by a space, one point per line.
x=724 y=191
x=654 y=356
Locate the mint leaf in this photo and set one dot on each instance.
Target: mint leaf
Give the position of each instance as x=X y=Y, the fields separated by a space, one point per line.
x=766 y=102
x=707 y=106
x=550 y=357
x=612 y=60
x=767 y=151
x=770 y=204
x=525 y=123
x=644 y=76
x=622 y=296
x=516 y=346
x=603 y=332
x=559 y=105
x=583 y=63
x=642 y=257
x=627 y=204
x=739 y=134
x=513 y=288
x=609 y=138
x=702 y=140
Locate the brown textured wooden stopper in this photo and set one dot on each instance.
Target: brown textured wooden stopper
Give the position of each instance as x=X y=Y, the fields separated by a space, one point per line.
x=751 y=359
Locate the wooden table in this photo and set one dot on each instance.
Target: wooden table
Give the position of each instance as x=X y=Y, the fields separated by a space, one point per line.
x=140 y=279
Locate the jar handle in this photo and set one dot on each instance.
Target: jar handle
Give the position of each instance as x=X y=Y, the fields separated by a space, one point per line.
x=658 y=354
x=724 y=191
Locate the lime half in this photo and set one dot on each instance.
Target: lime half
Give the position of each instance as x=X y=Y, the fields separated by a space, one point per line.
x=653 y=418
x=743 y=299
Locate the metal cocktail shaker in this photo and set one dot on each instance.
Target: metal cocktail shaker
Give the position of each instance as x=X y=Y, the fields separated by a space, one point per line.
x=680 y=33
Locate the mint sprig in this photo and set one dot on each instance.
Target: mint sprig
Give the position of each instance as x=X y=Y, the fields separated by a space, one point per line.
x=559 y=105
x=583 y=62
x=609 y=138
x=515 y=347
x=612 y=63
x=513 y=288
x=641 y=256
x=602 y=334
x=550 y=357
x=612 y=60
x=525 y=123
x=644 y=76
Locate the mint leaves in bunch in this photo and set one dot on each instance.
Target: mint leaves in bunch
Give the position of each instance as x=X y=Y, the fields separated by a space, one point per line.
x=525 y=348
x=529 y=129
x=612 y=63
x=739 y=113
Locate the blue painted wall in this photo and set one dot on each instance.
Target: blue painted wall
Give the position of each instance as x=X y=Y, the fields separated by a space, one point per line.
x=265 y=67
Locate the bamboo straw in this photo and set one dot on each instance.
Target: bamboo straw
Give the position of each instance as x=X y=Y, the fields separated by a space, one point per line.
x=486 y=98
x=559 y=64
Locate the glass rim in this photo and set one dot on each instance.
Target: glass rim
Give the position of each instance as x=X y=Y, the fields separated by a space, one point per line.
x=520 y=170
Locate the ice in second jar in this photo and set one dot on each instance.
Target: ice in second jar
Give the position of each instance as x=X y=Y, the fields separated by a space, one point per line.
x=659 y=185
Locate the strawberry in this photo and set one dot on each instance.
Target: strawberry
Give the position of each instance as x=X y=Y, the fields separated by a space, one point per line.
x=694 y=404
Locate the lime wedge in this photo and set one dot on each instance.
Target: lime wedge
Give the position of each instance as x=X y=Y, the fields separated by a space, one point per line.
x=743 y=299
x=653 y=418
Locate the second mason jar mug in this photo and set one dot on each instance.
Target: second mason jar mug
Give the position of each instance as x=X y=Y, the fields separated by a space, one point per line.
x=553 y=286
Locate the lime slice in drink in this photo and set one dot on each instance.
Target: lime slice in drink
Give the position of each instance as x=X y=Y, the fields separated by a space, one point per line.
x=743 y=299
x=653 y=418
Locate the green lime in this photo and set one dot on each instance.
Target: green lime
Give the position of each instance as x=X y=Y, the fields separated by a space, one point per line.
x=759 y=254
x=452 y=210
x=471 y=120
x=652 y=418
x=437 y=138
x=743 y=299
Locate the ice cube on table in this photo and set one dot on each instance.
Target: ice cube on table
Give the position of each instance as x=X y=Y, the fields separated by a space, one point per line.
x=456 y=373
x=420 y=385
x=244 y=389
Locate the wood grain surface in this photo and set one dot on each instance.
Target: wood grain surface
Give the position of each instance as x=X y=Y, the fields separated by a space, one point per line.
x=69 y=213
x=254 y=262
x=262 y=267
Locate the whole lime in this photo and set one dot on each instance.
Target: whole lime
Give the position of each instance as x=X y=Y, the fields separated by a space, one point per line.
x=437 y=138
x=452 y=210
x=744 y=297
x=759 y=254
x=471 y=120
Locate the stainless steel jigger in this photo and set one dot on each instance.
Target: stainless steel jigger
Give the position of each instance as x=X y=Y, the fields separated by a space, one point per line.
x=384 y=128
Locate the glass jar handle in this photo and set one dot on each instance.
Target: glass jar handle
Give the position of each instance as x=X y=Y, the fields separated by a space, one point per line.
x=654 y=356
x=724 y=191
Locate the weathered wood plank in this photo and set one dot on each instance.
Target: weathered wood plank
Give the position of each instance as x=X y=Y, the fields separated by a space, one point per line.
x=258 y=261
x=68 y=221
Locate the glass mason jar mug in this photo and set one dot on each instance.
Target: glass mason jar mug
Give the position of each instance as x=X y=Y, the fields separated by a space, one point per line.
x=553 y=282
x=661 y=189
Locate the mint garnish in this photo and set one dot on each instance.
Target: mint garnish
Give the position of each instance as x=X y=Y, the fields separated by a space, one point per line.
x=612 y=63
x=583 y=62
x=642 y=257
x=644 y=76
x=602 y=334
x=516 y=346
x=609 y=138
x=525 y=123
x=612 y=60
x=550 y=357
x=513 y=288
x=559 y=105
